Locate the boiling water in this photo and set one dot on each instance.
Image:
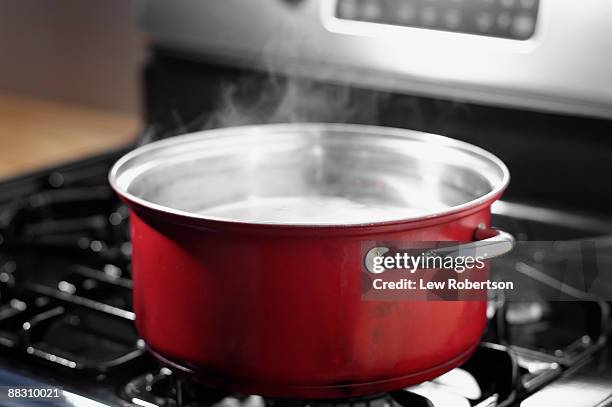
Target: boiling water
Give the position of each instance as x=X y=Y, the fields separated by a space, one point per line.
x=311 y=210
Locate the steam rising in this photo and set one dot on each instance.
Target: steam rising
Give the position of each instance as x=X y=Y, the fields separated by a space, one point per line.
x=271 y=97
x=274 y=99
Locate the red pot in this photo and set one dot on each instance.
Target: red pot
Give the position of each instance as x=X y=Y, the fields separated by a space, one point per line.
x=247 y=254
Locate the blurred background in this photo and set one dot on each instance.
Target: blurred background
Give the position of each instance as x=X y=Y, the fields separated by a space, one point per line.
x=68 y=80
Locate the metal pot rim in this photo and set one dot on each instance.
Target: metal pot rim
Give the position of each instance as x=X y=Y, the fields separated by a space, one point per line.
x=482 y=154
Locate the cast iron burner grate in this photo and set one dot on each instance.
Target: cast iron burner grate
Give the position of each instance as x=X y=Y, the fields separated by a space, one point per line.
x=488 y=378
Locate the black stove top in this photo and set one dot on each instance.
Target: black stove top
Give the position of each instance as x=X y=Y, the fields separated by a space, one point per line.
x=66 y=317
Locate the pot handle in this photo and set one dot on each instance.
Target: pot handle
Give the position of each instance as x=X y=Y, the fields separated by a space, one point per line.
x=488 y=244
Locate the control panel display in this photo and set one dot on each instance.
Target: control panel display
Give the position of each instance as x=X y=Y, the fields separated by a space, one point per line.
x=513 y=19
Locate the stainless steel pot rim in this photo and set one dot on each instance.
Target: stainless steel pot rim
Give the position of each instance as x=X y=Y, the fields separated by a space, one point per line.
x=122 y=190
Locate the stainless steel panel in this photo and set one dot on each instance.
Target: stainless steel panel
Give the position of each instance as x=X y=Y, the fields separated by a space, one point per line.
x=565 y=67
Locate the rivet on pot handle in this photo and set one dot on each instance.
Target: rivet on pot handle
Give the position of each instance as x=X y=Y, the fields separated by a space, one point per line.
x=489 y=243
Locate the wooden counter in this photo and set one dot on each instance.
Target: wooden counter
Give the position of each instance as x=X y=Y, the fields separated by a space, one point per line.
x=37 y=133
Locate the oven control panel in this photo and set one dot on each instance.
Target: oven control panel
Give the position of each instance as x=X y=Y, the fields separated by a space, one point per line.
x=513 y=19
x=552 y=56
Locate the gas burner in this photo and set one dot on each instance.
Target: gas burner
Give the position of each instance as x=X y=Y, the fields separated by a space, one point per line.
x=163 y=388
x=489 y=378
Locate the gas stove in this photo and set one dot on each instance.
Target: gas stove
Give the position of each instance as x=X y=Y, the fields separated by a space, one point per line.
x=66 y=317
x=507 y=76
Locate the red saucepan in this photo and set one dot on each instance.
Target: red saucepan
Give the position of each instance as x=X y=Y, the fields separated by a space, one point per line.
x=247 y=253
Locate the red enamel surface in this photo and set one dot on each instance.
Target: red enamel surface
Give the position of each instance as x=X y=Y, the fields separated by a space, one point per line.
x=278 y=311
